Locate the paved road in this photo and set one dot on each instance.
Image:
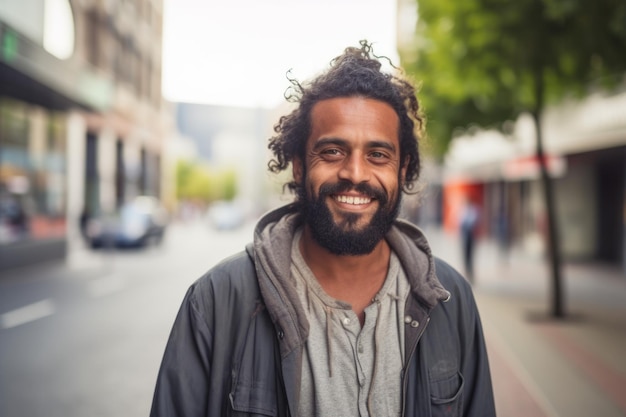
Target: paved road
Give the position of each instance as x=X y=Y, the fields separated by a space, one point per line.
x=85 y=338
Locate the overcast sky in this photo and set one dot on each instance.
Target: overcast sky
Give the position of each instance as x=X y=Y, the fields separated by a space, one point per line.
x=237 y=52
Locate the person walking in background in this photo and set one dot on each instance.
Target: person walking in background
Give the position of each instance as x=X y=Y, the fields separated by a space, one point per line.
x=337 y=307
x=468 y=227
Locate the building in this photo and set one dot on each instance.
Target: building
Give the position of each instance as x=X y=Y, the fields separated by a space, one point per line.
x=82 y=120
x=585 y=142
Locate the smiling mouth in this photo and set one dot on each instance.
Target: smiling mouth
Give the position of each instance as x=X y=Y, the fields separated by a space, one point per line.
x=349 y=199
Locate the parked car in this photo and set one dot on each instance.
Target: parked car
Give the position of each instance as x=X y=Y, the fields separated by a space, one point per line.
x=137 y=223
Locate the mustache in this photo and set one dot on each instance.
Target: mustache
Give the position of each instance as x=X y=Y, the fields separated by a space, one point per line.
x=362 y=188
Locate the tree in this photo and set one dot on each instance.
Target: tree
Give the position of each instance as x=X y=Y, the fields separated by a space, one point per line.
x=195 y=181
x=484 y=62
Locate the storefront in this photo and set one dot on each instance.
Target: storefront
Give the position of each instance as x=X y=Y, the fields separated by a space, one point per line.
x=38 y=91
x=32 y=182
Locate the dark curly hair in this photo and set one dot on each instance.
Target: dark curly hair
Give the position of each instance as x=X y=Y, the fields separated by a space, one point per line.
x=357 y=72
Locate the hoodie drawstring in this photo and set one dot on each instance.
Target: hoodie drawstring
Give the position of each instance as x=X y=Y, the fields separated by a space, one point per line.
x=376 y=358
x=329 y=326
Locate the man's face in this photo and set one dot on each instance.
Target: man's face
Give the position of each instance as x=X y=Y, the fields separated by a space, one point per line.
x=351 y=174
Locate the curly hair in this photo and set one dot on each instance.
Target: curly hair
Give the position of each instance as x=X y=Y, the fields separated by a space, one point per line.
x=357 y=72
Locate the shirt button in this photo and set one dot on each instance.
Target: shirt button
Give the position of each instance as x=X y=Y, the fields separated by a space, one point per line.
x=346 y=321
x=407 y=319
x=415 y=323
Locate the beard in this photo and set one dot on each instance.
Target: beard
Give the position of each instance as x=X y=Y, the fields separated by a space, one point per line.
x=344 y=237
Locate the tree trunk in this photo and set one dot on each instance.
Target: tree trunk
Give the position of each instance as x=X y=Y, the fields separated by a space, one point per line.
x=557 y=308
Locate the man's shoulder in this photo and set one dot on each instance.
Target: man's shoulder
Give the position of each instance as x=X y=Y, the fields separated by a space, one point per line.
x=451 y=279
x=234 y=273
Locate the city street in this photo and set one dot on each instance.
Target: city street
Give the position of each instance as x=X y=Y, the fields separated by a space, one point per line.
x=86 y=338
x=505 y=127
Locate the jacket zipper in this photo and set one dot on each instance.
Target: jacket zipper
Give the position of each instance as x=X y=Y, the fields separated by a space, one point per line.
x=405 y=379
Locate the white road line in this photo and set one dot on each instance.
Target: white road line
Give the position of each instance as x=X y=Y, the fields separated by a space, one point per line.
x=26 y=314
x=106 y=285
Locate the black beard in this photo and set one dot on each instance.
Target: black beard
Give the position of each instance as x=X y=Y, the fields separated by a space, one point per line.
x=343 y=238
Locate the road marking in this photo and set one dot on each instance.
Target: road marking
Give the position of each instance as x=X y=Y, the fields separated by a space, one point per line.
x=106 y=285
x=26 y=314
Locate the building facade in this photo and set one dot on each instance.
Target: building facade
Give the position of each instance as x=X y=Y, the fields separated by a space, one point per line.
x=586 y=146
x=82 y=121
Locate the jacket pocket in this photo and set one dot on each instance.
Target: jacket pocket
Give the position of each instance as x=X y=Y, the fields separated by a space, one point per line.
x=446 y=396
x=253 y=399
x=254 y=383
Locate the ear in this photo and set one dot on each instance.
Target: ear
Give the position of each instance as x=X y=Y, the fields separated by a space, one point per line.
x=403 y=169
x=297 y=169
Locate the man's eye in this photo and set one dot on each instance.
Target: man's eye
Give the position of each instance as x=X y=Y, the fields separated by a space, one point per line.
x=331 y=151
x=378 y=155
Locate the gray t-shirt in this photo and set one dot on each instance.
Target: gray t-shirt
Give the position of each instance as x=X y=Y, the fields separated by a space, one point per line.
x=349 y=370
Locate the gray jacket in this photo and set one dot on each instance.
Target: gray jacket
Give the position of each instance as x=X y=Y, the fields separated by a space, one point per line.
x=236 y=346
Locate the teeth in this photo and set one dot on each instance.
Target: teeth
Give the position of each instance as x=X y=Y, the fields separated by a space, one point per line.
x=352 y=199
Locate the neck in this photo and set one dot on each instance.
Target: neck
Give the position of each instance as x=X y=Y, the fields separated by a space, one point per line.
x=353 y=279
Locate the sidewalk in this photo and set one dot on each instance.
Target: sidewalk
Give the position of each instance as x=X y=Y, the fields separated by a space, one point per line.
x=544 y=367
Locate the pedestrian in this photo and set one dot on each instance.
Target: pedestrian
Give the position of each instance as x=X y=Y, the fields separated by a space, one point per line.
x=468 y=229
x=337 y=308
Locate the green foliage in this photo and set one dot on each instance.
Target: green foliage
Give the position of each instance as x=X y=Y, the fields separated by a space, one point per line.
x=228 y=185
x=480 y=61
x=197 y=182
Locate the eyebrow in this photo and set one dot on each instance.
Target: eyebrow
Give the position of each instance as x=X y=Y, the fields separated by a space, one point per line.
x=344 y=143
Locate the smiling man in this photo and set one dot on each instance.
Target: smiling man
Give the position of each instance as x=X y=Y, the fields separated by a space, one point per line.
x=354 y=152
x=337 y=308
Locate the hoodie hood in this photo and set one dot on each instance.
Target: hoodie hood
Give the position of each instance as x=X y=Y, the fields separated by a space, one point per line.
x=273 y=238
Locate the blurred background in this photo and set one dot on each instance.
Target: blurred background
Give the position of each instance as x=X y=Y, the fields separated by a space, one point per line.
x=133 y=157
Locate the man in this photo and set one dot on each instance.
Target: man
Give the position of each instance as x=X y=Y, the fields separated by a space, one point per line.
x=468 y=225
x=337 y=308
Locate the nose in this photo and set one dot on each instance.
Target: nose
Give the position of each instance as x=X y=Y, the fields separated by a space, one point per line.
x=355 y=169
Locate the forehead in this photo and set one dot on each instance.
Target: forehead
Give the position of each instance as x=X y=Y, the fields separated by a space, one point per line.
x=356 y=118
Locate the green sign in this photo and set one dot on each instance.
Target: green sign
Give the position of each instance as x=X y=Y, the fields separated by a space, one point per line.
x=9 y=45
